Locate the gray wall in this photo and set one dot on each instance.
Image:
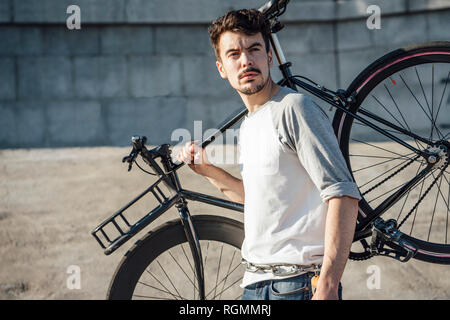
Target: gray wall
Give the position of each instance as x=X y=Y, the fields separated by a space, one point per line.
x=146 y=66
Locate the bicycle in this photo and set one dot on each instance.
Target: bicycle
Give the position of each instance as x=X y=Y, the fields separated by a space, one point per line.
x=372 y=131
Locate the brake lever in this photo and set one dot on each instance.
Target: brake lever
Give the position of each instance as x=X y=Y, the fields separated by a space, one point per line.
x=130 y=158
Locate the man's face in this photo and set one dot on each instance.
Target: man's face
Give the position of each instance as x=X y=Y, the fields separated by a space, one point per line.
x=244 y=61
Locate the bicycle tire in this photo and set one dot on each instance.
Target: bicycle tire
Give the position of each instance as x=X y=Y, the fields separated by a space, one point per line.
x=379 y=89
x=143 y=261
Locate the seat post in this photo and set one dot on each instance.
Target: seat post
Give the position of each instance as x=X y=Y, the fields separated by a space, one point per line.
x=277 y=49
x=283 y=64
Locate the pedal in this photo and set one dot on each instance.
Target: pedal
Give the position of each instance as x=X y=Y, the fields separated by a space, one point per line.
x=386 y=233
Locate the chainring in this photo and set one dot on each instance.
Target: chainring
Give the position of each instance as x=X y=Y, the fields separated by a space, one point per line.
x=360 y=256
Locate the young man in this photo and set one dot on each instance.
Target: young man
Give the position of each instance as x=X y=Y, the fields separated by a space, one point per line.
x=300 y=203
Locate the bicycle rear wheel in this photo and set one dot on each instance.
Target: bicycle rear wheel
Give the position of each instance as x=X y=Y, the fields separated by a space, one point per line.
x=160 y=265
x=409 y=88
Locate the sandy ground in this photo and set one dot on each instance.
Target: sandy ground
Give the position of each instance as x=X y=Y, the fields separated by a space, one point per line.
x=51 y=199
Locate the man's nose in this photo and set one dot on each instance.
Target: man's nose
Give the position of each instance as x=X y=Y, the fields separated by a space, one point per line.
x=246 y=59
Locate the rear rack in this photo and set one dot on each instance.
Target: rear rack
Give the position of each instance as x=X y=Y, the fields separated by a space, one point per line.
x=112 y=240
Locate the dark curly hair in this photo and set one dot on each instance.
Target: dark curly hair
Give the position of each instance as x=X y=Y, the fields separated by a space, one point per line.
x=248 y=21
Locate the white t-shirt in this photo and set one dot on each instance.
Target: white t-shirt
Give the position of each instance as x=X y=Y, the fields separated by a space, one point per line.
x=290 y=164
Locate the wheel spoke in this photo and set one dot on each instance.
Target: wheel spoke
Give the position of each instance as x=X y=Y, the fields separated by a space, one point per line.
x=401 y=114
x=167 y=290
x=418 y=102
x=218 y=269
x=423 y=91
x=224 y=279
x=206 y=255
x=432 y=101
x=415 y=211
x=187 y=259
x=401 y=185
x=382 y=105
x=379 y=163
x=434 y=209
x=446 y=222
x=192 y=269
x=406 y=198
x=442 y=97
x=182 y=270
x=377 y=157
x=378 y=147
x=228 y=287
x=421 y=197
x=169 y=279
x=446 y=136
x=390 y=131
x=149 y=297
x=439 y=189
x=384 y=173
x=158 y=289
x=228 y=271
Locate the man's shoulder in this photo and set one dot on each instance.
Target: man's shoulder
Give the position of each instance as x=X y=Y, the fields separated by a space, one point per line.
x=292 y=102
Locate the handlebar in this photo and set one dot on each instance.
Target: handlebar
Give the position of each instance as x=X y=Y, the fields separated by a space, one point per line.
x=149 y=156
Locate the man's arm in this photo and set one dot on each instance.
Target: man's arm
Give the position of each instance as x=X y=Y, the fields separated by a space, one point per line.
x=197 y=160
x=339 y=232
x=231 y=186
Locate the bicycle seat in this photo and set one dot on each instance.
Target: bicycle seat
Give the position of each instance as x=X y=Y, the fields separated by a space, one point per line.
x=274 y=8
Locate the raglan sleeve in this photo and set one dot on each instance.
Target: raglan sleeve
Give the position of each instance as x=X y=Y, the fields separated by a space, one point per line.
x=308 y=132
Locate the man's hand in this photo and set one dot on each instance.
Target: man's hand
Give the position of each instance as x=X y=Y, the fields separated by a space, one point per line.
x=195 y=157
x=326 y=294
x=197 y=160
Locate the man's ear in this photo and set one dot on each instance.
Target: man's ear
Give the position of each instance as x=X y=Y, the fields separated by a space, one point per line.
x=221 y=69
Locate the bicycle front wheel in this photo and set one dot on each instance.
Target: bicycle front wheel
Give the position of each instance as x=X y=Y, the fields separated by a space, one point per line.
x=408 y=88
x=160 y=266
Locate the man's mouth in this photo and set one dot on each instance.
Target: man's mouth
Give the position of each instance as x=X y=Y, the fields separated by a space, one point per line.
x=249 y=75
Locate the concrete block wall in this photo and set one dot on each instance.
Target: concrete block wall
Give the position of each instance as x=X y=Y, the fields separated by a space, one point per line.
x=146 y=66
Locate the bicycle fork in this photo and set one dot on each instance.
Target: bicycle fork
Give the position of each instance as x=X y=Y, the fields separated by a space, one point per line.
x=194 y=244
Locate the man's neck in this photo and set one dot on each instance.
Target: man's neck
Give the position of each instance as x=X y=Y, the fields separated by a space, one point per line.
x=255 y=101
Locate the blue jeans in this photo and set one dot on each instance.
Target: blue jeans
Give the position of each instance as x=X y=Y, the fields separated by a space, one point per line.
x=294 y=288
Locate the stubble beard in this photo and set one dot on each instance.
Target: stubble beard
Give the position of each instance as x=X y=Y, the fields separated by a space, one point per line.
x=258 y=88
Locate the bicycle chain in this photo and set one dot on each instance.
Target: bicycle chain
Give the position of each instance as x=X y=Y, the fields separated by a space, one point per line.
x=390 y=176
x=361 y=256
